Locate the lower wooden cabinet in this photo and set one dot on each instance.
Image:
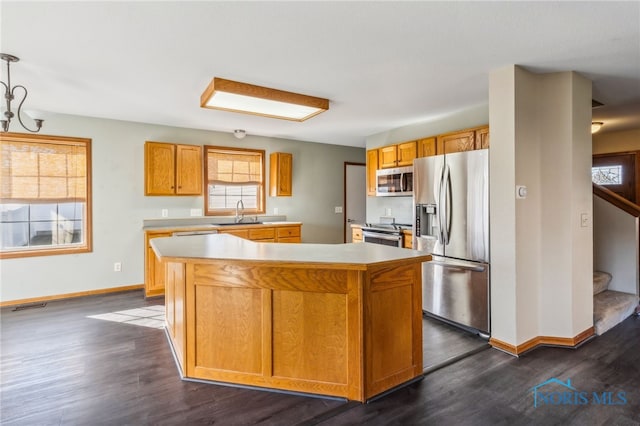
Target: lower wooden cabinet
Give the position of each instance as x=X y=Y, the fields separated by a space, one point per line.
x=356 y=234
x=154 y=278
x=407 y=239
x=288 y=234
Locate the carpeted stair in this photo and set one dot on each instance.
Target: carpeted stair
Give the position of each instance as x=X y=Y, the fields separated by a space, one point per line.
x=610 y=307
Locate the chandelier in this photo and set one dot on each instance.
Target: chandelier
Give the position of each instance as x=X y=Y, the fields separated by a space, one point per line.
x=9 y=96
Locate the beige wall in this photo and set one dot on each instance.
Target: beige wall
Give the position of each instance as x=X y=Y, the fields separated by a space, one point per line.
x=627 y=140
x=119 y=204
x=541 y=258
x=502 y=181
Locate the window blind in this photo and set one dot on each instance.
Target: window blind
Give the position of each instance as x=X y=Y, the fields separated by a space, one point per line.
x=42 y=171
x=232 y=168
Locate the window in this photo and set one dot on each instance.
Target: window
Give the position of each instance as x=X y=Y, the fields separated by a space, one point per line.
x=45 y=195
x=234 y=174
x=607 y=175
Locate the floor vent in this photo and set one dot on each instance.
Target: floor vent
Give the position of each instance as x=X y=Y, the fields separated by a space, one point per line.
x=30 y=306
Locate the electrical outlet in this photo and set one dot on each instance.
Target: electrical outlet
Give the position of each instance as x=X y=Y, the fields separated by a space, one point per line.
x=196 y=212
x=117 y=267
x=165 y=212
x=275 y=210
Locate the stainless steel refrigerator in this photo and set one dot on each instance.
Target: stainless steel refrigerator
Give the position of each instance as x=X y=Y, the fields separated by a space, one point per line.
x=451 y=218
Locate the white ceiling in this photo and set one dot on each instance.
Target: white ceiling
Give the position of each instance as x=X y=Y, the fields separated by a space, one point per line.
x=383 y=65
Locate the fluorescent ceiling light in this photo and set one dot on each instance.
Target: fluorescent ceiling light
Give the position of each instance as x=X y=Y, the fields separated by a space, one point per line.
x=246 y=98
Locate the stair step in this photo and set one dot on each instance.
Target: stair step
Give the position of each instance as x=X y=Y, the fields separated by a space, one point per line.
x=601 y=281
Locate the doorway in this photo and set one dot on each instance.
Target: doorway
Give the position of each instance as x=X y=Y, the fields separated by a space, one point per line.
x=355 y=196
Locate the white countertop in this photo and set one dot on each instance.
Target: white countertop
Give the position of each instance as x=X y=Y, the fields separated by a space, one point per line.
x=220 y=226
x=229 y=247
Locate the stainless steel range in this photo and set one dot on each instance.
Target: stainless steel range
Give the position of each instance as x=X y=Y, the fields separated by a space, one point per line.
x=388 y=234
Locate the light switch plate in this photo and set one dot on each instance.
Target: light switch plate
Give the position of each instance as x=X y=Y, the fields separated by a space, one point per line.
x=338 y=209
x=584 y=220
x=196 y=212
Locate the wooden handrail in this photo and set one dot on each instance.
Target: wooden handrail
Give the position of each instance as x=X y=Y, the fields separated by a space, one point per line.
x=618 y=201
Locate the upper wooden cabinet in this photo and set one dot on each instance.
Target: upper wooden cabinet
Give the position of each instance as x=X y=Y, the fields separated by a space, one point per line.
x=398 y=155
x=406 y=153
x=372 y=168
x=427 y=147
x=456 y=142
x=403 y=154
x=482 y=137
x=172 y=169
x=280 y=174
x=464 y=140
x=387 y=157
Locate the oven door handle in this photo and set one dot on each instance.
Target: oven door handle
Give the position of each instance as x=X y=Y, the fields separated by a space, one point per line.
x=382 y=236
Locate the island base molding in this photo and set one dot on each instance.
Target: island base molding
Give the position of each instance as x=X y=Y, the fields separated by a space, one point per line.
x=341 y=331
x=568 y=342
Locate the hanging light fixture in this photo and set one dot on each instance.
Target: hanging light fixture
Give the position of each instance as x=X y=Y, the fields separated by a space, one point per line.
x=595 y=126
x=9 y=96
x=234 y=96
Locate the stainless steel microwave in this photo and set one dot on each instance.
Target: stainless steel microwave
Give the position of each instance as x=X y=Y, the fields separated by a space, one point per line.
x=394 y=182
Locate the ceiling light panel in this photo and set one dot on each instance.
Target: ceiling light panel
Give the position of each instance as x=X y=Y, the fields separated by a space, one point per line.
x=246 y=98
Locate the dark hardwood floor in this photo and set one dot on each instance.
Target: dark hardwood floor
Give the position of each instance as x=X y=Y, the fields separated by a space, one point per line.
x=443 y=344
x=60 y=367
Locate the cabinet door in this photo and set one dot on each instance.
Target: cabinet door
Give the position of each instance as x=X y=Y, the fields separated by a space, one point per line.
x=261 y=234
x=189 y=170
x=356 y=234
x=280 y=174
x=456 y=142
x=427 y=147
x=288 y=233
x=242 y=233
x=407 y=240
x=482 y=138
x=159 y=168
x=387 y=157
x=372 y=168
x=406 y=153
x=154 y=280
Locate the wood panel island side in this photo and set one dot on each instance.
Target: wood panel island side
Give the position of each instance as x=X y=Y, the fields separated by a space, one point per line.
x=341 y=320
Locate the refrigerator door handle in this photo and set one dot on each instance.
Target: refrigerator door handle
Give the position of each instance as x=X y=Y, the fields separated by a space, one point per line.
x=446 y=223
x=440 y=208
x=458 y=267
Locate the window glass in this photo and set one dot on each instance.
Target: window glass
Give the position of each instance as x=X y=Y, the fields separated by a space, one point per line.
x=607 y=175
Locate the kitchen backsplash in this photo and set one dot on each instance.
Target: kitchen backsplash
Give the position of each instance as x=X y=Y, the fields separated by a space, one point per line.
x=401 y=208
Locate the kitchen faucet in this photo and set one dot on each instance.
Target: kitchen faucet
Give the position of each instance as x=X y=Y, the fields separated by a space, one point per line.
x=239 y=211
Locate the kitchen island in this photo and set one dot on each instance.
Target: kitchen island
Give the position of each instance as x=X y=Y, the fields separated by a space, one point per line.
x=341 y=320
